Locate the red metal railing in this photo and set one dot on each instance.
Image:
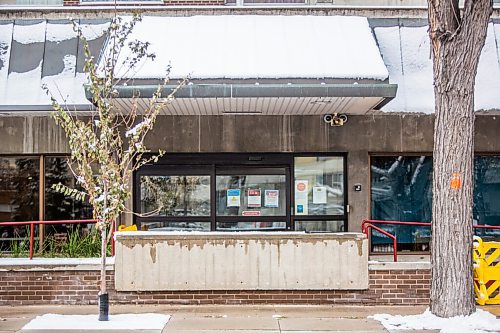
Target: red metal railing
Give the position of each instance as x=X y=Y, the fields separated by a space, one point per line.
x=33 y=223
x=366 y=225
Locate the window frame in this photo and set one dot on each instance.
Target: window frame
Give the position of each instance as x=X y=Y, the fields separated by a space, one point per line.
x=220 y=164
x=314 y=218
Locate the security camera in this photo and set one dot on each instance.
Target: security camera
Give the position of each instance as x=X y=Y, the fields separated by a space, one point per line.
x=335 y=119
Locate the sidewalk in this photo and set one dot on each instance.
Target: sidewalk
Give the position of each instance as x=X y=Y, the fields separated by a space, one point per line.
x=232 y=319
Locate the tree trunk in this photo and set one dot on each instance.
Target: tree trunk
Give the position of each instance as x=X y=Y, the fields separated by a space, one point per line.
x=456 y=44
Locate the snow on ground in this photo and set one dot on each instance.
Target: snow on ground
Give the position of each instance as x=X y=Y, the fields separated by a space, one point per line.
x=142 y=321
x=479 y=322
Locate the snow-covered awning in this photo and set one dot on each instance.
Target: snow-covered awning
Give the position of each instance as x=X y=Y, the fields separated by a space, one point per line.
x=34 y=53
x=259 y=47
x=406 y=51
x=261 y=64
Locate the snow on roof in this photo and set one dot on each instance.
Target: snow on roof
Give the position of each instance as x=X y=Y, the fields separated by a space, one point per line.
x=407 y=54
x=60 y=32
x=27 y=65
x=260 y=46
x=93 y=31
x=28 y=34
x=5 y=44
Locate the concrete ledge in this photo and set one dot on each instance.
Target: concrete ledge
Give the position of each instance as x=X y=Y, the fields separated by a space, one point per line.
x=161 y=261
x=386 y=266
x=54 y=264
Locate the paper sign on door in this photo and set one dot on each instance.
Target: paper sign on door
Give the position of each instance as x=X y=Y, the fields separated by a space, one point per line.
x=233 y=198
x=254 y=198
x=319 y=195
x=271 y=198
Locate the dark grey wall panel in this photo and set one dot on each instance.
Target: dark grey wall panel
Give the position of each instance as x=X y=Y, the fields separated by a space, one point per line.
x=56 y=48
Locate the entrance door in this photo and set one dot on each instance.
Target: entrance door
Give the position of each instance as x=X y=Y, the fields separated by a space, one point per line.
x=252 y=198
x=303 y=192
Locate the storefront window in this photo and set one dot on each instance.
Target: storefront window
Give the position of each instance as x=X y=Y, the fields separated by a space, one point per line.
x=320 y=226
x=401 y=190
x=487 y=194
x=319 y=186
x=19 y=188
x=59 y=206
x=174 y=226
x=175 y=195
x=19 y=196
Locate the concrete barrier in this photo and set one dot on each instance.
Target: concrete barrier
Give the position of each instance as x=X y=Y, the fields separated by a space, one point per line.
x=240 y=261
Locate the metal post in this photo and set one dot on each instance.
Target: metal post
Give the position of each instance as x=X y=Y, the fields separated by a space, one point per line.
x=32 y=239
x=41 y=204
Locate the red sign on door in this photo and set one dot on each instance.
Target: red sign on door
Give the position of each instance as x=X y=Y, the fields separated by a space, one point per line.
x=250 y=213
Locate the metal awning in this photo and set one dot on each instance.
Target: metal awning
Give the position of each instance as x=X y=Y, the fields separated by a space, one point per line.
x=265 y=99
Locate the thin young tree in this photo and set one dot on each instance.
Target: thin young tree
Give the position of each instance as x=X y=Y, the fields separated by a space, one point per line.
x=108 y=146
x=457 y=37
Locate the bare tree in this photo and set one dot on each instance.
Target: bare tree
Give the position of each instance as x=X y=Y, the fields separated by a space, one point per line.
x=107 y=147
x=457 y=38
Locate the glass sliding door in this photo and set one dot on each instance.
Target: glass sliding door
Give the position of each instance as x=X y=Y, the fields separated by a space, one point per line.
x=251 y=198
x=243 y=192
x=174 y=198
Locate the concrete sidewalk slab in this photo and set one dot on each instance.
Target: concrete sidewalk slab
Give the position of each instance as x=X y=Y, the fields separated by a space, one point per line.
x=229 y=323
x=233 y=319
x=331 y=324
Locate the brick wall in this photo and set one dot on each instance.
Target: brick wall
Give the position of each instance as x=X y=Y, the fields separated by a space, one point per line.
x=387 y=287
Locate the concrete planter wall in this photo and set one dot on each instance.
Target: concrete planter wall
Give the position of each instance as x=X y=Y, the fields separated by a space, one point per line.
x=152 y=261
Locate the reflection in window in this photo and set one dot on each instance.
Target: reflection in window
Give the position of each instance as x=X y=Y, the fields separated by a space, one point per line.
x=401 y=190
x=487 y=194
x=173 y=226
x=251 y=195
x=320 y=226
x=19 y=195
x=249 y=226
x=59 y=206
x=175 y=195
x=19 y=188
x=319 y=185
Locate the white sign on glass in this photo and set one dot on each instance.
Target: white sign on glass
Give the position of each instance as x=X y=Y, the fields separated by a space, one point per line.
x=271 y=198
x=319 y=195
x=254 y=198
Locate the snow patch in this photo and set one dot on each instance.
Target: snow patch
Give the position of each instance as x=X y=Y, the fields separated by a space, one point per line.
x=5 y=45
x=479 y=322
x=93 y=31
x=29 y=34
x=60 y=32
x=143 y=321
